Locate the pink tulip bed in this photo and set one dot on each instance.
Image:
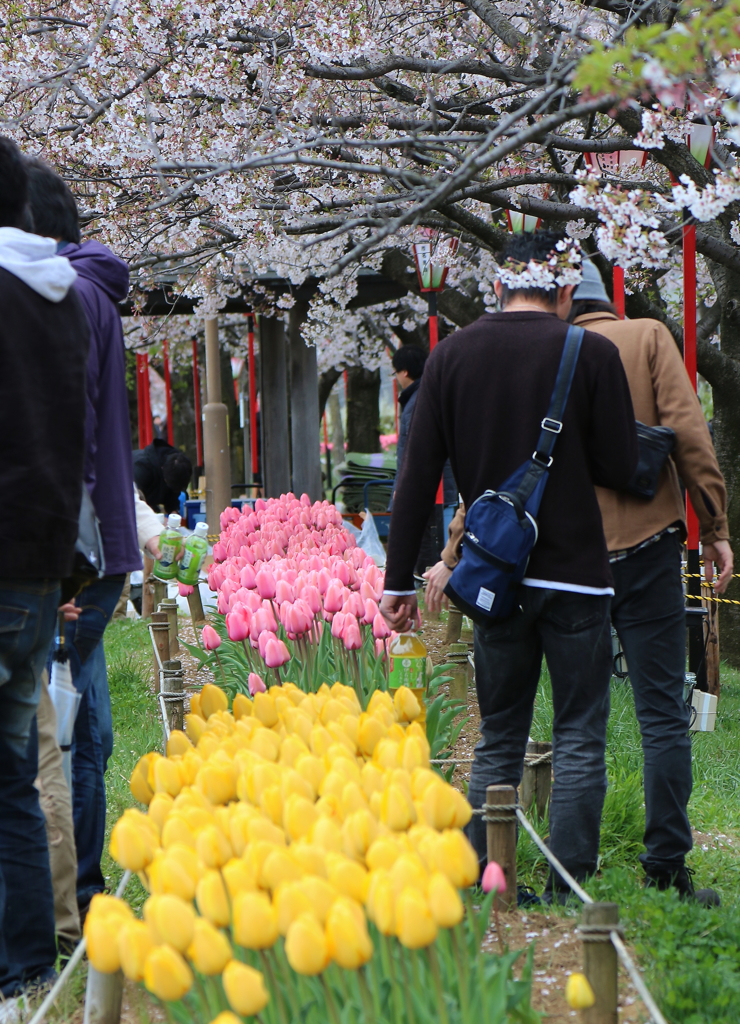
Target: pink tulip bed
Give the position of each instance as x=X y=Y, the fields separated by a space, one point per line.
x=298 y=601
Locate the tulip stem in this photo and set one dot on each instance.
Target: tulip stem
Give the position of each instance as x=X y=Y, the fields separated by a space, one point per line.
x=278 y=953
x=462 y=972
x=436 y=978
x=407 y=989
x=372 y=1012
x=223 y=670
x=282 y=1013
x=387 y=954
x=331 y=1005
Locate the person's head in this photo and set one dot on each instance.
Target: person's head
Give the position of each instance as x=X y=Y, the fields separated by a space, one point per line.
x=590 y=295
x=14 y=211
x=177 y=470
x=53 y=206
x=408 y=362
x=521 y=250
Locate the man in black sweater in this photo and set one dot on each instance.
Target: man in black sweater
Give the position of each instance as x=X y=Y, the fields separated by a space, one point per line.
x=43 y=355
x=483 y=396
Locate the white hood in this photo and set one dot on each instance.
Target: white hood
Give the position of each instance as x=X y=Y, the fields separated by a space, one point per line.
x=33 y=259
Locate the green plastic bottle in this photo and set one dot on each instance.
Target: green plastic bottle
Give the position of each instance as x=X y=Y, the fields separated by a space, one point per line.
x=408 y=665
x=196 y=549
x=170 y=544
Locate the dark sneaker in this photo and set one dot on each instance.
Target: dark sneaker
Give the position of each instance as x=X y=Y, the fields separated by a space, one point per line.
x=526 y=897
x=682 y=881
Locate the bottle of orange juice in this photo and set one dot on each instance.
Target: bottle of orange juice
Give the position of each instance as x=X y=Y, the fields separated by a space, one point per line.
x=408 y=665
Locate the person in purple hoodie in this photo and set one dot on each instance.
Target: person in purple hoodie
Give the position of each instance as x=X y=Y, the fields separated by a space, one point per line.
x=102 y=281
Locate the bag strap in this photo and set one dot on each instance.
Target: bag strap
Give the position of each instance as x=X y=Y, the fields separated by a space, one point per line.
x=552 y=424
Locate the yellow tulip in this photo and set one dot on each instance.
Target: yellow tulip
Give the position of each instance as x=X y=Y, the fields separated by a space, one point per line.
x=213 y=900
x=320 y=740
x=170 y=920
x=347 y=939
x=578 y=992
x=414 y=753
x=350 y=726
x=255 y=921
x=195 y=705
x=212 y=699
x=383 y=853
x=260 y=829
x=299 y=723
x=226 y=1016
x=408 y=871
x=175 y=872
x=166 y=975
x=159 y=809
x=439 y=805
x=265 y=743
x=134 y=945
x=333 y=784
x=372 y=779
x=415 y=925
x=279 y=867
x=209 y=952
x=299 y=816
x=358 y=833
x=264 y=709
x=380 y=699
x=141 y=788
x=217 y=782
x=347 y=876
x=177 y=830
x=212 y=846
x=332 y=711
x=238 y=878
x=306 y=946
x=291 y=749
x=195 y=727
x=457 y=859
x=327 y=834
x=242 y=707
x=131 y=845
x=353 y=798
x=406 y=705
x=290 y=903
x=321 y=895
x=102 y=942
x=309 y=858
x=294 y=784
x=178 y=743
x=396 y=808
x=444 y=901
x=245 y=988
x=104 y=906
x=168 y=777
x=381 y=902
x=271 y=802
x=258 y=778
x=386 y=753
x=370 y=732
x=207 y=745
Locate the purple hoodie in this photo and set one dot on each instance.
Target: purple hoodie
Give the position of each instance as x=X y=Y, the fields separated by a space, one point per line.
x=102 y=281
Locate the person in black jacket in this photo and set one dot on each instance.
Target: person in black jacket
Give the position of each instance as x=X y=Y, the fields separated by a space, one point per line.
x=161 y=473
x=484 y=394
x=43 y=356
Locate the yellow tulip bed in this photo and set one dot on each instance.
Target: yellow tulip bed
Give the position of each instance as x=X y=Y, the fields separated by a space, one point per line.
x=304 y=863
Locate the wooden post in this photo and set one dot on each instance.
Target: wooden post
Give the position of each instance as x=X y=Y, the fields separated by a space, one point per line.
x=537 y=777
x=711 y=632
x=501 y=838
x=172 y=682
x=161 y=638
x=195 y=604
x=147 y=590
x=160 y=591
x=454 y=625
x=305 y=421
x=103 y=997
x=215 y=433
x=274 y=408
x=169 y=606
x=457 y=667
x=600 y=961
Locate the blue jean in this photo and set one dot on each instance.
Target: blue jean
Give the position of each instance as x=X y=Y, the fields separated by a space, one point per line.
x=28 y=611
x=649 y=615
x=92 y=742
x=571 y=630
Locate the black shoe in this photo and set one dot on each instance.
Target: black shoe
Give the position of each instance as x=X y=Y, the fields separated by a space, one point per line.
x=526 y=897
x=683 y=882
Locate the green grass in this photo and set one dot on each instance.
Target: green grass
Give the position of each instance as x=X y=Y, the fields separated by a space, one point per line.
x=690 y=955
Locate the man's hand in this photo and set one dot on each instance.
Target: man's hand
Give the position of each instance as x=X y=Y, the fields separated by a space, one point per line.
x=719 y=554
x=71 y=611
x=436 y=578
x=152 y=547
x=401 y=612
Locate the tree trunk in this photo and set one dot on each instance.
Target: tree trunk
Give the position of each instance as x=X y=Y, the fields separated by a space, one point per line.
x=327 y=380
x=337 y=430
x=363 y=410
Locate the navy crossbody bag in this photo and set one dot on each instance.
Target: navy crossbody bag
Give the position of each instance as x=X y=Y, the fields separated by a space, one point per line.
x=501 y=526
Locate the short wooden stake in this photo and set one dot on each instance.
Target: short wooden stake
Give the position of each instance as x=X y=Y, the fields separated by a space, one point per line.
x=147 y=590
x=169 y=605
x=161 y=638
x=103 y=997
x=160 y=591
x=500 y=821
x=172 y=682
x=537 y=777
x=454 y=625
x=196 y=607
x=600 y=961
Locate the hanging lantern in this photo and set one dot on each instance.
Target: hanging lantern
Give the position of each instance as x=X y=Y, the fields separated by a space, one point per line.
x=612 y=163
x=432 y=254
x=700 y=140
x=522 y=223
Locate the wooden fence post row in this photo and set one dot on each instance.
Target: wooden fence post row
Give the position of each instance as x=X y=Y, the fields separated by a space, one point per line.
x=600 y=961
x=500 y=819
x=103 y=997
x=537 y=778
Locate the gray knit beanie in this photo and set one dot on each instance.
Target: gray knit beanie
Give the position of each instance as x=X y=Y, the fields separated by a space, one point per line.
x=591 y=286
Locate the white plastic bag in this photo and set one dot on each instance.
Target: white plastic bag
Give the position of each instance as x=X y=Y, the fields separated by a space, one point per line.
x=66 y=701
x=370 y=542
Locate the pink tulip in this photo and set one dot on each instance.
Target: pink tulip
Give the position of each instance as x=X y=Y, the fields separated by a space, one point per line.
x=379 y=648
x=493 y=878
x=341 y=571
x=312 y=597
x=184 y=590
x=337 y=625
x=351 y=634
x=246 y=577
x=264 y=638
x=334 y=598
x=237 y=624
x=380 y=628
x=367 y=593
x=265 y=584
x=371 y=610
x=256 y=684
x=222 y=602
x=211 y=639
x=284 y=591
x=276 y=653
x=354 y=605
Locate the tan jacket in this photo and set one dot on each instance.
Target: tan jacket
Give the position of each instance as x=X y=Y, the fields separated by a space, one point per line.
x=662 y=396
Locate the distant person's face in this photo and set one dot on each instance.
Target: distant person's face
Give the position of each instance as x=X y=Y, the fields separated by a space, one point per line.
x=403 y=380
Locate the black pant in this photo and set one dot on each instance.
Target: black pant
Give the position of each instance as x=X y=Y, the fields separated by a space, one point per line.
x=648 y=614
x=572 y=630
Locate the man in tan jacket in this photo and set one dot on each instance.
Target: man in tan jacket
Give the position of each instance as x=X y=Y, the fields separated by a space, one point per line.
x=644 y=539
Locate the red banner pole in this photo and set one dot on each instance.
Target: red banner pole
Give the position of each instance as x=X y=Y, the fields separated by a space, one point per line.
x=148 y=424
x=252 y=398
x=689 y=348
x=618 y=290
x=140 y=360
x=168 y=391
x=433 y=340
x=196 y=406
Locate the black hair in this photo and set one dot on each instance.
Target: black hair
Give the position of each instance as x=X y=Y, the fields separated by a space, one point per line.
x=177 y=470
x=13 y=187
x=522 y=248
x=53 y=206
x=410 y=358
x=581 y=307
